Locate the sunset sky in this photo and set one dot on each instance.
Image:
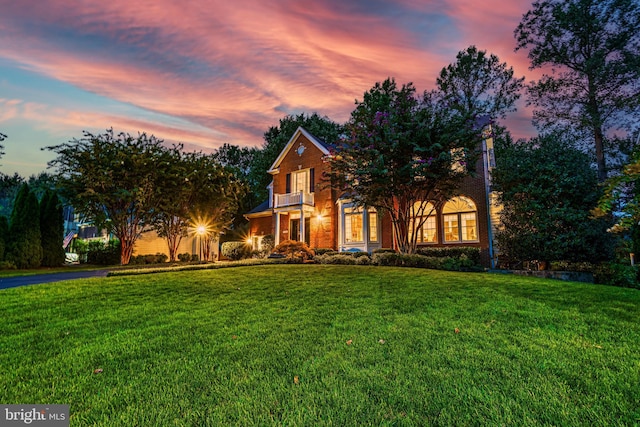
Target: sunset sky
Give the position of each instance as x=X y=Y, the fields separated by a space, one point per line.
x=209 y=72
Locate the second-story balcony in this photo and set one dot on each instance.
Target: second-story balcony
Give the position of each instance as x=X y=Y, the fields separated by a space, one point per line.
x=293 y=199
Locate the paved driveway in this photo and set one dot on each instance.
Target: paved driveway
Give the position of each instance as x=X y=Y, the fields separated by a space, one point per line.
x=13 y=282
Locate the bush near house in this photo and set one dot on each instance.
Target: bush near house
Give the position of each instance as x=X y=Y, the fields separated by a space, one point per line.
x=101 y=253
x=295 y=251
x=185 y=257
x=460 y=263
x=158 y=258
x=472 y=254
x=235 y=250
x=454 y=259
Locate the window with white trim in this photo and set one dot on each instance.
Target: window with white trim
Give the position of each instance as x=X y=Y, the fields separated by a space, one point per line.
x=427 y=233
x=300 y=181
x=353 y=225
x=373 y=225
x=460 y=218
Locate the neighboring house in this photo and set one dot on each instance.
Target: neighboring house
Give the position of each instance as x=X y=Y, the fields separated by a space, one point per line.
x=302 y=208
x=148 y=244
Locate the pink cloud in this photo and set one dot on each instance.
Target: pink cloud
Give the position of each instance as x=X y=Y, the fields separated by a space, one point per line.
x=229 y=70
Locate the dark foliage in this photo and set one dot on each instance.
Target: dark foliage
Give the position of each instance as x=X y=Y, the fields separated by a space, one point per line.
x=24 y=248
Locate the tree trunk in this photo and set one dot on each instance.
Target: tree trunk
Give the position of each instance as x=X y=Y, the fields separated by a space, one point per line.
x=600 y=159
x=126 y=249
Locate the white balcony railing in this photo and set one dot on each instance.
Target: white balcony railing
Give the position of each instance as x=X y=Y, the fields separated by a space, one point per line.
x=294 y=199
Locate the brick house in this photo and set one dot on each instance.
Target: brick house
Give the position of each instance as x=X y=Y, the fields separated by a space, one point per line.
x=300 y=208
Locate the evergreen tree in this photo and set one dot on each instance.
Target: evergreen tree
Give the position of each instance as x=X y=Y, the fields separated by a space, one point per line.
x=24 y=248
x=51 y=229
x=4 y=235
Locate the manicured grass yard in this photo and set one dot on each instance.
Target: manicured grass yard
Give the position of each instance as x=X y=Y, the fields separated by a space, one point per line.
x=324 y=345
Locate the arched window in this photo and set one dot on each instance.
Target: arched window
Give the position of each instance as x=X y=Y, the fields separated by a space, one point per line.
x=460 y=218
x=428 y=232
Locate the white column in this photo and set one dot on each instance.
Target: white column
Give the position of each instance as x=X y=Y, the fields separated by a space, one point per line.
x=301 y=237
x=365 y=228
x=277 y=228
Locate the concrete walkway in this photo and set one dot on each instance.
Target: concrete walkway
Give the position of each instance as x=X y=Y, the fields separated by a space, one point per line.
x=14 y=282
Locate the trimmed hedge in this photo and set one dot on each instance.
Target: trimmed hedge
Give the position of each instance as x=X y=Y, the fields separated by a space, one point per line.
x=462 y=263
x=454 y=259
x=101 y=253
x=235 y=250
x=472 y=254
x=158 y=258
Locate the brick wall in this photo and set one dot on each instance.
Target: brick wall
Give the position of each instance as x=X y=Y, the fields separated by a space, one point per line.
x=323 y=231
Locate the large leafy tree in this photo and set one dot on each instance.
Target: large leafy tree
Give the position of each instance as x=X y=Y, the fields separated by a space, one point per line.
x=201 y=196
x=479 y=84
x=548 y=190
x=114 y=180
x=401 y=152
x=592 y=51
x=218 y=196
x=240 y=160
x=51 y=229
x=24 y=248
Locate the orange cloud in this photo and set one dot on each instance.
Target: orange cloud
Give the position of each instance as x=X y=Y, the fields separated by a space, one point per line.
x=209 y=72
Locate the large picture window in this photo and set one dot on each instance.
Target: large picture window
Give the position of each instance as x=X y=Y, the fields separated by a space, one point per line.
x=460 y=218
x=354 y=225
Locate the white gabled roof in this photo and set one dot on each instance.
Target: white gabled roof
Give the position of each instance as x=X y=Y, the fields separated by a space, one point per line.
x=300 y=131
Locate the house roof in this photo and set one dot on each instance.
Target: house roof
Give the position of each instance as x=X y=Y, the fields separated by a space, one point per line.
x=260 y=210
x=319 y=143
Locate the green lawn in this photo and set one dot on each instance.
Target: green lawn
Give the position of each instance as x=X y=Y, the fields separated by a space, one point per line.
x=324 y=345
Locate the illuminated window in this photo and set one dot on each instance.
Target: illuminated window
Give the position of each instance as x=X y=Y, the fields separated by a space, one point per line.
x=373 y=226
x=460 y=218
x=352 y=225
x=427 y=233
x=458 y=160
x=300 y=181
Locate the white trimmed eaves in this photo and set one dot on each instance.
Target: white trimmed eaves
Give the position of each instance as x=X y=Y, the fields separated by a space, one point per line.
x=275 y=167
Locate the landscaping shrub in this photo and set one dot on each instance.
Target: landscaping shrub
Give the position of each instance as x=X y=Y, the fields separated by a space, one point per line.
x=158 y=258
x=185 y=257
x=235 y=250
x=472 y=254
x=585 y=267
x=101 y=253
x=617 y=274
x=324 y=251
x=295 y=251
x=338 y=258
x=363 y=260
x=268 y=243
x=7 y=265
x=384 y=251
x=461 y=263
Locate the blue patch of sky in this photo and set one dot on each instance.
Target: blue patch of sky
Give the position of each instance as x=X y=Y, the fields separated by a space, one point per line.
x=149 y=47
x=426 y=25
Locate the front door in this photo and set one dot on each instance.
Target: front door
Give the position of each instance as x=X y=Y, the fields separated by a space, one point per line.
x=294 y=230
